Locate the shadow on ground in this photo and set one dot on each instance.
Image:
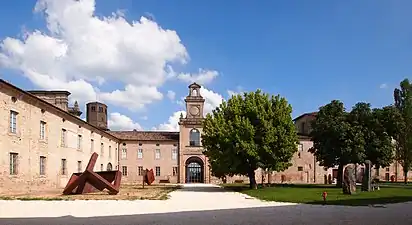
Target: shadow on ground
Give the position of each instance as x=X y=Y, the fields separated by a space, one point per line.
x=204 y=189
x=365 y=201
x=293 y=214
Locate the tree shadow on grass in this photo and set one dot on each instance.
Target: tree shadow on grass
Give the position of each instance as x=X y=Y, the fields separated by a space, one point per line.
x=365 y=201
x=243 y=187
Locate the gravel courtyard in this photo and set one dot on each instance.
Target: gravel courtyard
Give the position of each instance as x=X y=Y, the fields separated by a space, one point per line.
x=200 y=204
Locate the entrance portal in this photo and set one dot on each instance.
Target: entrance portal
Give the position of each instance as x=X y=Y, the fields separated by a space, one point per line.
x=194 y=170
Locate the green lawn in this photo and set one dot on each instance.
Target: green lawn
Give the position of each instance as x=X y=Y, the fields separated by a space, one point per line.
x=312 y=194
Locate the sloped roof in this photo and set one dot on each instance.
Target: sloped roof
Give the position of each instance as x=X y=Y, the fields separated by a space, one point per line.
x=146 y=135
x=57 y=109
x=312 y=114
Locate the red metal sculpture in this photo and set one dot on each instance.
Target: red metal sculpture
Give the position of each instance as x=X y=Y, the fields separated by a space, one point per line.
x=90 y=181
x=148 y=177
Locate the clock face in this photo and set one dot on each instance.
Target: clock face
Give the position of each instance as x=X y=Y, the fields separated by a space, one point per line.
x=194 y=111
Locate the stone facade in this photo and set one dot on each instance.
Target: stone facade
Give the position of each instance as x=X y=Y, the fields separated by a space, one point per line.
x=41 y=144
x=384 y=174
x=43 y=141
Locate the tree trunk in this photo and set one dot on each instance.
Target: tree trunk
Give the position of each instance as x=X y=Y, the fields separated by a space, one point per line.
x=339 y=179
x=405 y=175
x=252 y=180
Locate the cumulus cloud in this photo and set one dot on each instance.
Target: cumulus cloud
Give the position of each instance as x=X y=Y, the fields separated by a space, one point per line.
x=79 y=48
x=118 y=121
x=171 y=95
x=212 y=100
x=238 y=91
x=201 y=77
x=172 y=124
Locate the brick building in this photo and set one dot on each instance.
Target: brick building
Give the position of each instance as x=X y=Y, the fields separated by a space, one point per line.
x=43 y=141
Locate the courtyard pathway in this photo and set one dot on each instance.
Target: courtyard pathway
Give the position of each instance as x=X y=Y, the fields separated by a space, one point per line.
x=199 y=204
x=192 y=197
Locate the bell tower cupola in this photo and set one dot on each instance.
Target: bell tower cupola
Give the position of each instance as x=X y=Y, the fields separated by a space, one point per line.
x=194 y=102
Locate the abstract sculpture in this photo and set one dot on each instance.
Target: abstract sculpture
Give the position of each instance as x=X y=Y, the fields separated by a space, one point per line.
x=148 y=176
x=90 y=181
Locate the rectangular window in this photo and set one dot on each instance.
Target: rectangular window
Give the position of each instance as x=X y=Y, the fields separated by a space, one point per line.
x=13 y=122
x=124 y=170
x=157 y=171
x=42 y=165
x=13 y=163
x=140 y=170
x=63 y=140
x=300 y=168
x=387 y=169
x=175 y=171
x=64 y=167
x=79 y=142
x=140 y=153
x=174 y=154
x=101 y=167
x=124 y=153
x=42 y=130
x=101 y=149
x=116 y=154
x=79 y=166
x=110 y=152
x=91 y=145
x=157 y=155
x=300 y=147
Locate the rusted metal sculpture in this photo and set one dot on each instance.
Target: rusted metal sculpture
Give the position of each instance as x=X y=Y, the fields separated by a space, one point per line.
x=90 y=181
x=148 y=177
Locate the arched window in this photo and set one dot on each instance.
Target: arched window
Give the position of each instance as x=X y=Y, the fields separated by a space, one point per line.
x=194 y=137
x=194 y=92
x=109 y=167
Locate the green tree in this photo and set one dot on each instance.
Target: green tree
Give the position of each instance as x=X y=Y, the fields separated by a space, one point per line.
x=336 y=141
x=403 y=103
x=392 y=120
x=250 y=132
x=378 y=146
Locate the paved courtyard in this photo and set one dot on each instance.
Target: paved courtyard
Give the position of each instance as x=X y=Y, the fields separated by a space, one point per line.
x=200 y=204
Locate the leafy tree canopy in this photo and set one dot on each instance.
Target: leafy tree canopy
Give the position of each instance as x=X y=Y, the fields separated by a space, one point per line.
x=247 y=132
x=336 y=141
x=403 y=103
x=378 y=143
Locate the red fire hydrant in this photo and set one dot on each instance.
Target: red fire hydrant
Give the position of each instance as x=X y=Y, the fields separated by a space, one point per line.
x=324 y=195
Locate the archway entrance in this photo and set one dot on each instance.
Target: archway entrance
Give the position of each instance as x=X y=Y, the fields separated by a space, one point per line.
x=194 y=170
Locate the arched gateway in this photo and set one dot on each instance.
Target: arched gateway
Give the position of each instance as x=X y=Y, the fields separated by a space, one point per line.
x=195 y=170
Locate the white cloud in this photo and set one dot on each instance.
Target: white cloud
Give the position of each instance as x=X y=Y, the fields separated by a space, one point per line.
x=172 y=123
x=80 y=48
x=171 y=95
x=127 y=98
x=239 y=90
x=201 y=77
x=383 y=86
x=118 y=121
x=212 y=100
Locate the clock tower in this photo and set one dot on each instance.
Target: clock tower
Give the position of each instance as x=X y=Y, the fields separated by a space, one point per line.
x=193 y=165
x=194 y=102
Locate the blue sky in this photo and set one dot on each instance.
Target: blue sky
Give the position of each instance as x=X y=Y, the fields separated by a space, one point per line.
x=308 y=51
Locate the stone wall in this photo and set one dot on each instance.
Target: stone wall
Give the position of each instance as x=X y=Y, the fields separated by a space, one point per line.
x=29 y=146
